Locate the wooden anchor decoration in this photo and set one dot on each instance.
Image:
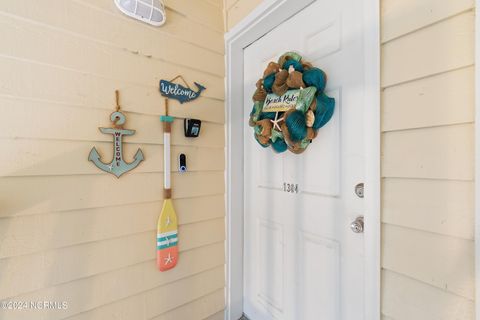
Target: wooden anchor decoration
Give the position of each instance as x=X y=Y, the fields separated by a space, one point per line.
x=117 y=166
x=178 y=92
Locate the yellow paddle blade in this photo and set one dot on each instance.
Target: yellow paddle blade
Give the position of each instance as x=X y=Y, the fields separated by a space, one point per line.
x=168 y=218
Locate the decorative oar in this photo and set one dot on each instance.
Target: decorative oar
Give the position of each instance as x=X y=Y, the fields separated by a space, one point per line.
x=167 y=229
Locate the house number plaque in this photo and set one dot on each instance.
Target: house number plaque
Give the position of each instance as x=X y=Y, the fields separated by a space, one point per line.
x=290 y=187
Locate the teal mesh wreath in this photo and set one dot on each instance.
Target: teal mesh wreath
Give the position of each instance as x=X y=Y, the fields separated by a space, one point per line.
x=290 y=104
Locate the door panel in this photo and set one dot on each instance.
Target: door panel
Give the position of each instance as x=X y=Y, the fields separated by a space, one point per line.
x=301 y=260
x=271 y=257
x=320 y=278
x=273 y=177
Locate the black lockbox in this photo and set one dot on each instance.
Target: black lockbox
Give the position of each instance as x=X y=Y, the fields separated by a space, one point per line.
x=192 y=127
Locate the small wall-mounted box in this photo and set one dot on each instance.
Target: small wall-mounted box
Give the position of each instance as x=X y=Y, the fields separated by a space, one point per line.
x=192 y=127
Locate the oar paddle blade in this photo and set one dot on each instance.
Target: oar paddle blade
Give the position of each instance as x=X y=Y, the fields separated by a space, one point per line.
x=167 y=237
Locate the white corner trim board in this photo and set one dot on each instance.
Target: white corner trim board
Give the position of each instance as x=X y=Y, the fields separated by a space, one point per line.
x=477 y=159
x=268 y=15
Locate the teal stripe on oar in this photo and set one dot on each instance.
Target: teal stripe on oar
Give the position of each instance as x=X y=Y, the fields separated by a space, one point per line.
x=165 y=246
x=167 y=237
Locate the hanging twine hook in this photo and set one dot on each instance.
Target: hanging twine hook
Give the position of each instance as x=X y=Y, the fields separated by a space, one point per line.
x=117 y=99
x=183 y=79
x=117 y=117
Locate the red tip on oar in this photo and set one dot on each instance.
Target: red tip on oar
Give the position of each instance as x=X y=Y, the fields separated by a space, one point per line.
x=167 y=258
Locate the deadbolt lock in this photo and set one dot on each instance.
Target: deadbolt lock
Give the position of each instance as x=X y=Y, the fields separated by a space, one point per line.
x=359 y=190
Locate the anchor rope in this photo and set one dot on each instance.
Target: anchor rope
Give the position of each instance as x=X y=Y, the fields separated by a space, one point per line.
x=117 y=100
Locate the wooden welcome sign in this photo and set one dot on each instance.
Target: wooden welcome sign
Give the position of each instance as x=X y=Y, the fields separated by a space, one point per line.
x=178 y=92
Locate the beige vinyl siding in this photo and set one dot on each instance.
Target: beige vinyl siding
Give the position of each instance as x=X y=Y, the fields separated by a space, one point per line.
x=427 y=160
x=236 y=10
x=70 y=232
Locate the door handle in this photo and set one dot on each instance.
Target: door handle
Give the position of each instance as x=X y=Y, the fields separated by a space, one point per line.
x=358 y=225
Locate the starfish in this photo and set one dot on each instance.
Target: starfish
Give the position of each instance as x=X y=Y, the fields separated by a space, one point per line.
x=110 y=166
x=276 y=121
x=168 y=259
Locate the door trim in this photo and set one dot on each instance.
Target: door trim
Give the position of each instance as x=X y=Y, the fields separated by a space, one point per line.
x=264 y=18
x=477 y=158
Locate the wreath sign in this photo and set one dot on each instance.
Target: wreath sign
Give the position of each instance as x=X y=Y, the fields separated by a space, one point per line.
x=290 y=104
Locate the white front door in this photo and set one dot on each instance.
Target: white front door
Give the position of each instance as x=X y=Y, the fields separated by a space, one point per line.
x=302 y=261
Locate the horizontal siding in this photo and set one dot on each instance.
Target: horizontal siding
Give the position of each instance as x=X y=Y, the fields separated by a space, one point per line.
x=73 y=15
x=236 y=10
x=403 y=17
x=207 y=307
x=33 y=157
x=442 y=99
x=70 y=232
x=209 y=110
x=29 y=234
x=443 y=152
x=414 y=252
x=202 y=12
x=38 y=194
x=217 y=3
x=132 y=307
x=427 y=160
x=187 y=26
x=157 y=297
x=439 y=206
x=59 y=266
x=441 y=47
x=63 y=79
x=406 y=298
x=77 y=121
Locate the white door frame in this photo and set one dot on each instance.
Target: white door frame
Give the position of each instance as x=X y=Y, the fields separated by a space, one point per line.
x=264 y=18
x=477 y=159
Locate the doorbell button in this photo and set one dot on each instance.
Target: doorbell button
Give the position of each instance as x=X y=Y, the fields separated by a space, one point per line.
x=182 y=163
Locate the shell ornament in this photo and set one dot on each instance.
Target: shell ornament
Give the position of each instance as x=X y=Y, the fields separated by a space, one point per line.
x=290 y=105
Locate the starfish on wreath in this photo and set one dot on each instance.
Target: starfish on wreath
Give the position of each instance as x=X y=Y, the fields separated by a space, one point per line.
x=276 y=121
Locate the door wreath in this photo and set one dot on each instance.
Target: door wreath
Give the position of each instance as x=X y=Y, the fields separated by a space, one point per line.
x=290 y=105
